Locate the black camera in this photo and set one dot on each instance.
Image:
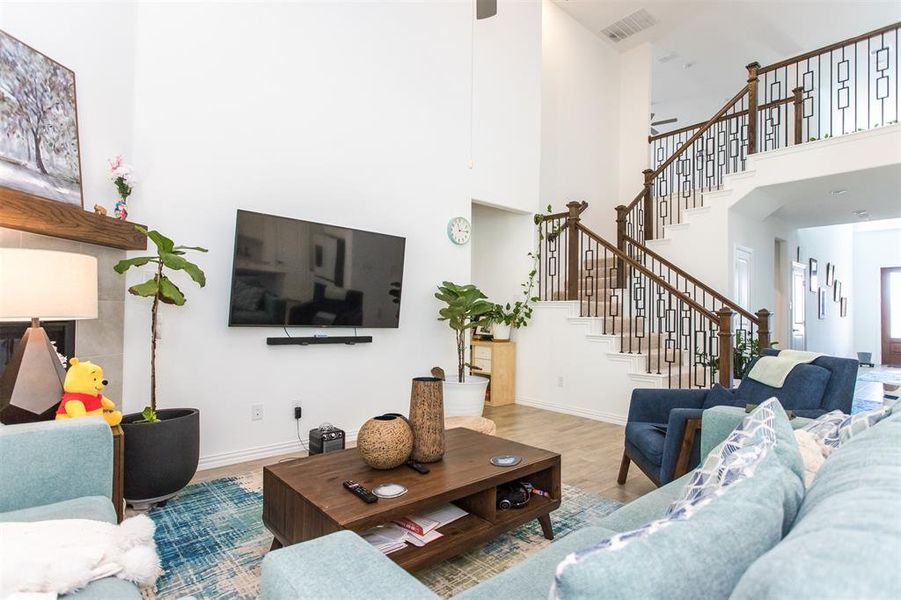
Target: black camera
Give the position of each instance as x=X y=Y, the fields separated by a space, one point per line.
x=512 y=495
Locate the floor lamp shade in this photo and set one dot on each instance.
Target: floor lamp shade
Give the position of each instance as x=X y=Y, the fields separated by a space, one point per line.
x=35 y=285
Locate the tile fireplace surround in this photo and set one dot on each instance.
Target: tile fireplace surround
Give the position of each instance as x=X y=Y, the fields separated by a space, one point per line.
x=98 y=340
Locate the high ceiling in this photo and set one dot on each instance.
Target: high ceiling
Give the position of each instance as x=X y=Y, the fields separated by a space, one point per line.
x=700 y=48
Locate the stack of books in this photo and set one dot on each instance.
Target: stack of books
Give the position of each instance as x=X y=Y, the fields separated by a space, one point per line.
x=418 y=530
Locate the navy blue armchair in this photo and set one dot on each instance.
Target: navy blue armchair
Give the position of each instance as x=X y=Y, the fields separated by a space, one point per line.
x=662 y=427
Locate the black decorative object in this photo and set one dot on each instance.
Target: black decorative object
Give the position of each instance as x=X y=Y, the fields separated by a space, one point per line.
x=814 y=280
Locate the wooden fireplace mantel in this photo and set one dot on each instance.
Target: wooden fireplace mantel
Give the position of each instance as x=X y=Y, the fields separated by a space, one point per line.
x=25 y=212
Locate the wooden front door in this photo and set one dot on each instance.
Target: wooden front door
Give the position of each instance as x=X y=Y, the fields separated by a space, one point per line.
x=891 y=316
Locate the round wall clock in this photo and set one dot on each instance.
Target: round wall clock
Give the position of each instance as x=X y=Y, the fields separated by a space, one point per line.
x=459 y=230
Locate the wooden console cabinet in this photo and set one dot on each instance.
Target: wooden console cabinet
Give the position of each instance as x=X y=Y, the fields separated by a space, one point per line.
x=497 y=361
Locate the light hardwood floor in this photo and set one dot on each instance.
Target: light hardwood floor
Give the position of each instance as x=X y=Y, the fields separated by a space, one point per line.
x=591 y=450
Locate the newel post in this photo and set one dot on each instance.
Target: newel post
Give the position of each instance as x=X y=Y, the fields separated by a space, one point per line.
x=752 y=106
x=572 y=260
x=763 y=328
x=726 y=341
x=621 y=212
x=648 y=206
x=798 y=101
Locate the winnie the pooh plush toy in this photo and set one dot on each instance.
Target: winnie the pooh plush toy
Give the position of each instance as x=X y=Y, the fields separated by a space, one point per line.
x=82 y=394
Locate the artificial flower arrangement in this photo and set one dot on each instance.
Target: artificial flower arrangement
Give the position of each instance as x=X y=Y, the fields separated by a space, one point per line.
x=122 y=177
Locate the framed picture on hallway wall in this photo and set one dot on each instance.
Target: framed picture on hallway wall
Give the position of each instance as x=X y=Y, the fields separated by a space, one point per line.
x=821 y=303
x=844 y=307
x=837 y=291
x=39 y=152
x=830 y=274
x=814 y=280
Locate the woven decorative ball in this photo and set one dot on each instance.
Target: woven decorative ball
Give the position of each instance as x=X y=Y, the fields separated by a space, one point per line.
x=385 y=441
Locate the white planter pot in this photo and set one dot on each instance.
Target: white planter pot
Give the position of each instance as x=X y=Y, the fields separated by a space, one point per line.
x=500 y=333
x=465 y=399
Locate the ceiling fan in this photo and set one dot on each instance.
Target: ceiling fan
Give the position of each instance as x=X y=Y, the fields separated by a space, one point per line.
x=654 y=131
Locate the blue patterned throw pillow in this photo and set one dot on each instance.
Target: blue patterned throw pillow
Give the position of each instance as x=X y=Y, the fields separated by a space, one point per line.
x=835 y=428
x=733 y=461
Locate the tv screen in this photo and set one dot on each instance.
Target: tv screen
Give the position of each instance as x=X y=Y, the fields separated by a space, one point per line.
x=290 y=272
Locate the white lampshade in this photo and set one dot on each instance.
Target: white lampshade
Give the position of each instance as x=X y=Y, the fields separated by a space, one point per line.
x=47 y=285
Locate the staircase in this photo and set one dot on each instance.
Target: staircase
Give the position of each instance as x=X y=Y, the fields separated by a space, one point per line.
x=670 y=328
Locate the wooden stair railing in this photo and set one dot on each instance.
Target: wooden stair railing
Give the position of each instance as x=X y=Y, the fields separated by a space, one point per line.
x=838 y=89
x=680 y=336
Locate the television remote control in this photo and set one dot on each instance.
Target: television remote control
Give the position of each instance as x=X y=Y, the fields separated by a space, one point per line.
x=418 y=467
x=360 y=492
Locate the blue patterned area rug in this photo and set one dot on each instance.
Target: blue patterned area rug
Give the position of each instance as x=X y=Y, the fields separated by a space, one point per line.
x=211 y=541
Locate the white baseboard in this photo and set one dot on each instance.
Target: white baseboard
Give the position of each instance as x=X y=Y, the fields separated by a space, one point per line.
x=224 y=459
x=597 y=415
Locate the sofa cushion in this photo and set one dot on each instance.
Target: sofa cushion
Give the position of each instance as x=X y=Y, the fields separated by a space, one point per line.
x=97 y=508
x=803 y=389
x=108 y=588
x=649 y=437
x=680 y=554
x=341 y=559
x=644 y=509
x=844 y=541
x=533 y=577
x=720 y=396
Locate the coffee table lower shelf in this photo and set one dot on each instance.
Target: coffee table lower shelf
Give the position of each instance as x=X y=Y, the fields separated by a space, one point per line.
x=472 y=530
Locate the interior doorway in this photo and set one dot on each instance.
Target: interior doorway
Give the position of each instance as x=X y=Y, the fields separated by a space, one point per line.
x=891 y=316
x=798 y=290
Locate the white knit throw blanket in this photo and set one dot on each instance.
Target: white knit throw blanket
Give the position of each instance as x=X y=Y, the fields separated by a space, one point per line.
x=772 y=370
x=46 y=558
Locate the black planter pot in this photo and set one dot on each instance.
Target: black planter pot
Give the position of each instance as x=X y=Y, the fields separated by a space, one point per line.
x=160 y=458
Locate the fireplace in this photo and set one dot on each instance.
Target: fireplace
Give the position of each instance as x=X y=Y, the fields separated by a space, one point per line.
x=61 y=333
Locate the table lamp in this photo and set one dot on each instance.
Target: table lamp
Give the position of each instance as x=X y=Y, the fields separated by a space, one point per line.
x=35 y=285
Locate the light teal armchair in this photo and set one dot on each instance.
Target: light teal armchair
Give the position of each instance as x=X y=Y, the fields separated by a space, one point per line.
x=61 y=470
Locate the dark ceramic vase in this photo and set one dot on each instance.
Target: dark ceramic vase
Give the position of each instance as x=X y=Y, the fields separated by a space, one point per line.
x=160 y=458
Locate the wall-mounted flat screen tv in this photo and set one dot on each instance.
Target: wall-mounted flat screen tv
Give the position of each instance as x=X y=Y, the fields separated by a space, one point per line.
x=290 y=272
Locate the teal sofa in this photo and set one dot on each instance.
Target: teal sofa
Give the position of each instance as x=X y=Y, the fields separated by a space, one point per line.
x=61 y=470
x=851 y=511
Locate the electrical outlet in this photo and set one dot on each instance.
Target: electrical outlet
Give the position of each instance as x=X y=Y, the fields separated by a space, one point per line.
x=256 y=412
x=560 y=381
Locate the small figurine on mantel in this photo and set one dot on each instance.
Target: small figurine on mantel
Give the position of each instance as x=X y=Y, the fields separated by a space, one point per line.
x=121 y=175
x=100 y=210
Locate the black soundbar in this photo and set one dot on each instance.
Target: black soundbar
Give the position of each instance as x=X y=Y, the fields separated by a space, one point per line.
x=350 y=340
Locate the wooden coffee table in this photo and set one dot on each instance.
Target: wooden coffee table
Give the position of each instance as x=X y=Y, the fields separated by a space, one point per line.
x=304 y=499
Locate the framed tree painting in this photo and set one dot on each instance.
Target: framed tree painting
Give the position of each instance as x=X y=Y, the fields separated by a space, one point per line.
x=39 y=153
x=814 y=280
x=821 y=303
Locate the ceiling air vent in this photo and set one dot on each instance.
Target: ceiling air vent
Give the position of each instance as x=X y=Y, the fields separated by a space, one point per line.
x=629 y=25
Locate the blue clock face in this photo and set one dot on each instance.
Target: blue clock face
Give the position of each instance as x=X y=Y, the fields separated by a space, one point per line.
x=459 y=230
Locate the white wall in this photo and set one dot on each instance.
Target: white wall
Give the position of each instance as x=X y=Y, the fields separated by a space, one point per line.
x=501 y=241
x=579 y=119
x=634 y=111
x=833 y=335
x=506 y=129
x=873 y=249
x=353 y=114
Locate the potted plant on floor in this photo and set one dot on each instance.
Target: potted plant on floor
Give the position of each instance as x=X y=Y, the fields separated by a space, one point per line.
x=465 y=307
x=162 y=446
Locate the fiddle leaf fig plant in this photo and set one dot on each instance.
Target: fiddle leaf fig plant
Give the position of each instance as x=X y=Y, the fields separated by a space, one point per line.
x=162 y=289
x=466 y=307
